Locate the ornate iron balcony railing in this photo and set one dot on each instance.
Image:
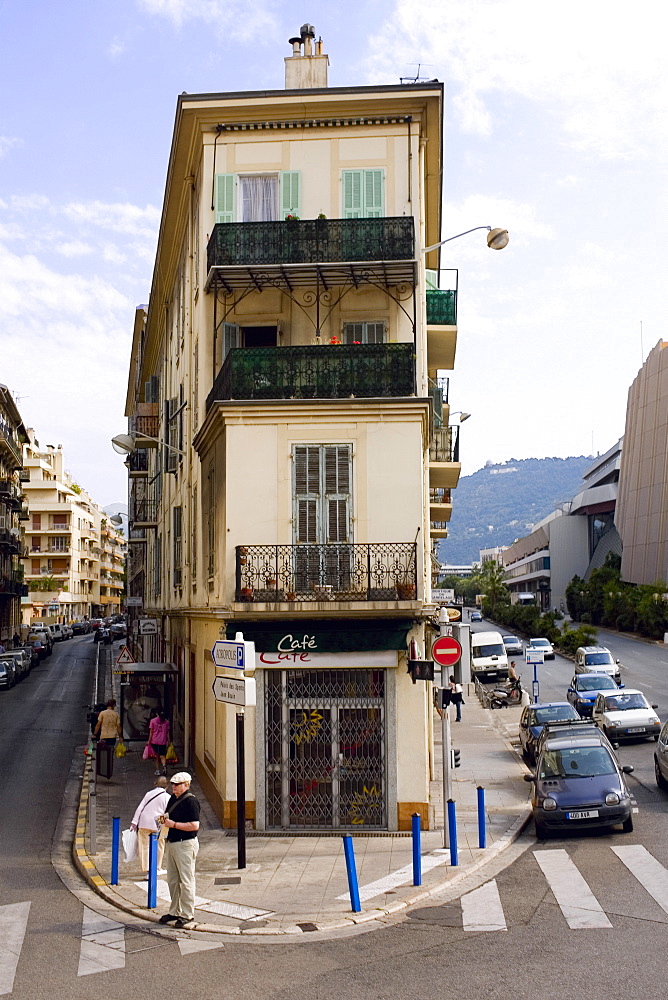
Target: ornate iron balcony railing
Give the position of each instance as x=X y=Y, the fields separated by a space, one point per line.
x=333 y=371
x=143 y=511
x=311 y=241
x=378 y=571
x=444 y=444
x=441 y=307
x=138 y=460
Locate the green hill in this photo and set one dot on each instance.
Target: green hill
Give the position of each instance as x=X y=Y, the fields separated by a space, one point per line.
x=500 y=503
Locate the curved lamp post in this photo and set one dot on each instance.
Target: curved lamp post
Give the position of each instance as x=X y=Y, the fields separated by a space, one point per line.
x=497 y=239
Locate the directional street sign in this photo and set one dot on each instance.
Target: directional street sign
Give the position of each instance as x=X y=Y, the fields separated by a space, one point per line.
x=446 y=651
x=125 y=656
x=227 y=653
x=229 y=689
x=133 y=602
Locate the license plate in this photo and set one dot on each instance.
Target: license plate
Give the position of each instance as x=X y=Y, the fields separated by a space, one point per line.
x=638 y=729
x=583 y=814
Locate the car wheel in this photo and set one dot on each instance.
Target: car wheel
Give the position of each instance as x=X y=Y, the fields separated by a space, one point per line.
x=660 y=780
x=627 y=825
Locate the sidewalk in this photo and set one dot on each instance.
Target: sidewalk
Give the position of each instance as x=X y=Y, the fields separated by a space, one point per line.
x=294 y=884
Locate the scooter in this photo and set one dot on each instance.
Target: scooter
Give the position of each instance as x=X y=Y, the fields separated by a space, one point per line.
x=510 y=695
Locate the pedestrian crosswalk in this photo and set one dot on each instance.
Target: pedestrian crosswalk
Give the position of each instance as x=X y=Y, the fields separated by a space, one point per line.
x=482 y=909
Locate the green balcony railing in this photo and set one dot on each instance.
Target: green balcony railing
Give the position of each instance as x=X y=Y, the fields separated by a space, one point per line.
x=441 y=307
x=336 y=371
x=311 y=241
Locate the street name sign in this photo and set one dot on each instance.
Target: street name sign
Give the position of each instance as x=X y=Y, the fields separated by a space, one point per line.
x=227 y=653
x=229 y=689
x=148 y=626
x=446 y=651
x=442 y=595
x=134 y=602
x=534 y=656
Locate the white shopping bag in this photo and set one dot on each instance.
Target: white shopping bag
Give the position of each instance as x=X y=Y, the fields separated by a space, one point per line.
x=129 y=845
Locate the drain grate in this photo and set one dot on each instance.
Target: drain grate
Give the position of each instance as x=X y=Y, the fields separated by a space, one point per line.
x=234 y=880
x=308 y=927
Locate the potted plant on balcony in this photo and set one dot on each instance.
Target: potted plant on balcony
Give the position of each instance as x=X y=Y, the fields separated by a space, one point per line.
x=246 y=593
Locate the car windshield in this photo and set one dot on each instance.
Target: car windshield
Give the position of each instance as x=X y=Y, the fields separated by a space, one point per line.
x=576 y=762
x=595 y=659
x=622 y=702
x=539 y=642
x=552 y=713
x=601 y=683
x=509 y=638
x=491 y=649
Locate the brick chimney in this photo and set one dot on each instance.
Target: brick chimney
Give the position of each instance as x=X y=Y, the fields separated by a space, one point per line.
x=307 y=67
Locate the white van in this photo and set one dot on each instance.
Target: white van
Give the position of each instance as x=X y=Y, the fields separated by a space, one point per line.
x=489 y=659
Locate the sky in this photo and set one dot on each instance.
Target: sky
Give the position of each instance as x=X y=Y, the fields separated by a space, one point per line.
x=556 y=129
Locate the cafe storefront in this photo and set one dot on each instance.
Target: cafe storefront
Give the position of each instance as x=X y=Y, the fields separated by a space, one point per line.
x=326 y=723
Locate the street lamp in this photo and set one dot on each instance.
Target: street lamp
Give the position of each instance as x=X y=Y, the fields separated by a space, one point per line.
x=124 y=444
x=497 y=239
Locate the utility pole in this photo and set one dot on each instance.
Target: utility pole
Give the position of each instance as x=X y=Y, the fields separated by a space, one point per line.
x=444 y=628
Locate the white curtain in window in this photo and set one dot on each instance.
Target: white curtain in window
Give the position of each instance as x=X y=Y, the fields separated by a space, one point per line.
x=259 y=199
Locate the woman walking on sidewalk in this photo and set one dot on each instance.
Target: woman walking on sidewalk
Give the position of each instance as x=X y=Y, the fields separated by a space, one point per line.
x=456 y=696
x=145 y=822
x=158 y=737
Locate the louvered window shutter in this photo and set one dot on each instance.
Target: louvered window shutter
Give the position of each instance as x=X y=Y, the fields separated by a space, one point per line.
x=231 y=338
x=224 y=188
x=352 y=194
x=307 y=494
x=290 y=193
x=373 y=194
x=337 y=492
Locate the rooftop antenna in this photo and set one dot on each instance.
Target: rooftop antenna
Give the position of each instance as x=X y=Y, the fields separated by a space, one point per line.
x=417 y=78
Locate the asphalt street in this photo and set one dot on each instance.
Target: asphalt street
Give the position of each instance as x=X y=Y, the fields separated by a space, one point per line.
x=545 y=943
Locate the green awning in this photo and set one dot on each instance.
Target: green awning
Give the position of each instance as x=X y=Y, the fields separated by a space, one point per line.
x=326 y=636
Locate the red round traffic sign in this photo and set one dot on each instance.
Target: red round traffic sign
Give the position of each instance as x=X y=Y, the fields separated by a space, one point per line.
x=446 y=651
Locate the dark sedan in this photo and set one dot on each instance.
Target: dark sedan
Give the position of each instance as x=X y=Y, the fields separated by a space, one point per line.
x=584 y=689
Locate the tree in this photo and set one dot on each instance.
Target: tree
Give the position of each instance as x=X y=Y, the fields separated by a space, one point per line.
x=492 y=578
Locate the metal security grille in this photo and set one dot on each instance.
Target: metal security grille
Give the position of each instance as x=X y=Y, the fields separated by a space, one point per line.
x=325 y=751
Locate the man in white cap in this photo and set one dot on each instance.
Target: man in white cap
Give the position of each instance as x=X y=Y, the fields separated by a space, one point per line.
x=182 y=822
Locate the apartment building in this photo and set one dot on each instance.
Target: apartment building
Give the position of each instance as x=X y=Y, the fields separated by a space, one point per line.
x=291 y=461
x=12 y=516
x=112 y=568
x=64 y=548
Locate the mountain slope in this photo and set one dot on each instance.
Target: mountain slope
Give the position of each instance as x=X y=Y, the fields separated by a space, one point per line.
x=500 y=503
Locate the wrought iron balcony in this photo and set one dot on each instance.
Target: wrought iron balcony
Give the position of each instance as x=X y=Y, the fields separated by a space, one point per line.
x=335 y=371
x=444 y=444
x=143 y=510
x=441 y=307
x=138 y=461
x=380 y=571
x=311 y=241
x=439 y=390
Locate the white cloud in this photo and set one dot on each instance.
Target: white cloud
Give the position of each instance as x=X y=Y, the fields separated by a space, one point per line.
x=74 y=248
x=235 y=19
x=120 y=217
x=8 y=142
x=598 y=71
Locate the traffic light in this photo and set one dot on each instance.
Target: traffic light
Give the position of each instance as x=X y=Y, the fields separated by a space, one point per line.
x=455 y=758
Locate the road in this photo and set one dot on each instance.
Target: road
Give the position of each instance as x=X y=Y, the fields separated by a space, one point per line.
x=434 y=952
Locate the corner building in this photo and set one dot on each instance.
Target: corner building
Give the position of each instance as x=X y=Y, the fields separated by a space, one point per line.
x=293 y=461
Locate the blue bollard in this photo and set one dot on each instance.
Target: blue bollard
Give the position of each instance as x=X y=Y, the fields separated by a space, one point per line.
x=153 y=871
x=115 y=847
x=417 y=857
x=452 y=828
x=482 y=818
x=353 y=887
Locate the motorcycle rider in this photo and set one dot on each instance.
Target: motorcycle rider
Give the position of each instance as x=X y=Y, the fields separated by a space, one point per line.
x=512 y=673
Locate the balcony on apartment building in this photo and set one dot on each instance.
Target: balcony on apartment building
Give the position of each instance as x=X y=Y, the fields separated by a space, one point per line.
x=9 y=444
x=363 y=572
x=444 y=465
x=303 y=252
x=10 y=492
x=137 y=462
x=145 y=425
x=440 y=512
x=144 y=512
x=442 y=326
x=331 y=371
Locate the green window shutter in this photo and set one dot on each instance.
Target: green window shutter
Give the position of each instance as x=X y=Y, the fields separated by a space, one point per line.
x=224 y=188
x=290 y=193
x=431 y=278
x=352 y=194
x=373 y=194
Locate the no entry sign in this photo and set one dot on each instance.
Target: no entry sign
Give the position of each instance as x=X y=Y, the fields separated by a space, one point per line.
x=446 y=651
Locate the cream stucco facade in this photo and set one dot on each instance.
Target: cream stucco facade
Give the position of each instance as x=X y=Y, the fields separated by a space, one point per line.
x=291 y=448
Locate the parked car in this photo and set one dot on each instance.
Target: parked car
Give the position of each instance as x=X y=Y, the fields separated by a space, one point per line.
x=626 y=715
x=118 y=630
x=32 y=653
x=579 y=784
x=80 y=628
x=476 y=616
x=45 y=641
x=537 y=715
x=584 y=689
x=95 y=623
x=513 y=645
x=661 y=758
x=59 y=632
x=597 y=659
x=7 y=673
x=22 y=661
x=37 y=628
x=541 y=644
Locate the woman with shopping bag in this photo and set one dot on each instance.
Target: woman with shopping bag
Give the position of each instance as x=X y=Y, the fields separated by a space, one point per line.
x=158 y=738
x=145 y=821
